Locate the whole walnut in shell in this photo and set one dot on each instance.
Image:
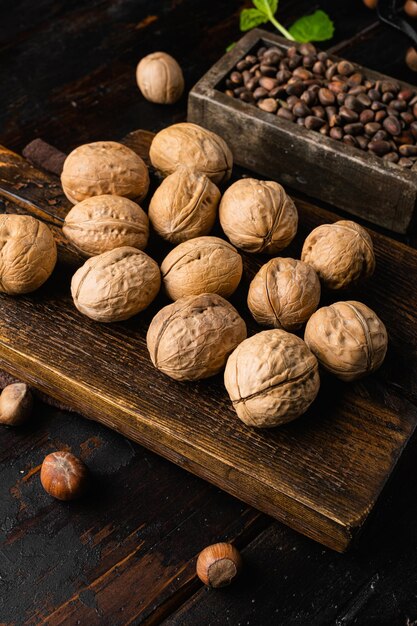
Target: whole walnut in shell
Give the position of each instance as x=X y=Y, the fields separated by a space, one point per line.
x=192 y=146
x=28 y=254
x=341 y=253
x=348 y=339
x=160 y=78
x=202 y=265
x=102 y=223
x=192 y=338
x=184 y=205
x=116 y=285
x=271 y=378
x=104 y=167
x=258 y=216
x=284 y=293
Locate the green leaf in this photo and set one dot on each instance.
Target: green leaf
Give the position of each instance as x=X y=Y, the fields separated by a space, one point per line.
x=266 y=6
x=250 y=18
x=315 y=27
x=230 y=46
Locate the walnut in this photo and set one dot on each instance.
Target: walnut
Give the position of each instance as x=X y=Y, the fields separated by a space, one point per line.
x=28 y=254
x=116 y=284
x=104 y=167
x=192 y=338
x=284 y=293
x=258 y=216
x=202 y=265
x=184 y=206
x=348 y=339
x=194 y=147
x=160 y=78
x=102 y=223
x=271 y=378
x=341 y=253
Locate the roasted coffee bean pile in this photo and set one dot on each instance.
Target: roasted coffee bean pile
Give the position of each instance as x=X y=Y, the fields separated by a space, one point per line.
x=305 y=86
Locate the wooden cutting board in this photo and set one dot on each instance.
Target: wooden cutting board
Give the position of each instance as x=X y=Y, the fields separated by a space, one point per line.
x=320 y=474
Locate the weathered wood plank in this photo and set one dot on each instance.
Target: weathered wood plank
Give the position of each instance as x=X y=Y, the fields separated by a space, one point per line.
x=320 y=475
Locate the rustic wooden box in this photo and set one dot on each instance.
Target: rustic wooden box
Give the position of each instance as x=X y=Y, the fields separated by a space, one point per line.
x=346 y=177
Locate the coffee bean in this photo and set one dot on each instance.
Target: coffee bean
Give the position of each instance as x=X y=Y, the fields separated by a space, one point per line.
x=355 y=91
x=337 y=86
x=355 y=79
x=387 y=97
x=260 y=92
x=322 y=56
x=348 y=115
x=345 y=68
x=309 y=60
x=374 y=94
x=239 y=90
x=398 y=105
x=285 y=114
x=364 y=100
x=336 y=132
x=319 y=68
x=283 y=65
x=283 y=76
x=273 y=55
x=309 y=98
x=319 y=111
x=353 y=103
x=392 y=125
x=415 y=109
x=331 y=71
x=354 y=129
x=340 y=97
x=307 y=48
x=295 y=89
x=300 y=121
x=369 y=84
x=380 y=147
x=291 y=100
x=269 y=104
x=326 y=97
x=350 y=140
x=366 y=116
x=300 y=109
x=390 y=111
x=377 y=106
x=252 y=83
x=362 y=142
x=380 y=115
x=371 y=128
x=292 y=51
x=251 y=59
x=247 y=96
x=268 y=70
x=268 y=83
x=413 y=129
x=302 y=73
x=408 y=150
x=381 y=135
x=407 y=117
x=294 y=61
x=392 y=157
x=313 y=123
x=261 y=52
x=404 y=162
x=229 y=92
x=387 y=85
x=278 y=92
x=243 y=65
x=324 y=130
x=254 y=69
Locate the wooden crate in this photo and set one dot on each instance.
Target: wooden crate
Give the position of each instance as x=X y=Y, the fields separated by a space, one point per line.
x=346 y=177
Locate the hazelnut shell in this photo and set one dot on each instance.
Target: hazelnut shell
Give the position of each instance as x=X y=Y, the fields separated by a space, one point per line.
x=64 y=476
x=218 y=565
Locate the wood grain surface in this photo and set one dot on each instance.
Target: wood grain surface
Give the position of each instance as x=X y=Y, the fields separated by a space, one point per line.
x=321 y=474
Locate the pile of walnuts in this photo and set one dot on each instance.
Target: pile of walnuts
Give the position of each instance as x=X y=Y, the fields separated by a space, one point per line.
x=272 y=377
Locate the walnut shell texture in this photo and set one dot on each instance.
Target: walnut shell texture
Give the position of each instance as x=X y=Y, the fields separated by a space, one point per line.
x=102 y=223
x=192 y=146
x=341 y=253
x=160 y=78
x=104 y=167
x=116 y=285
x=28 y=254
x=348 y=339
x=272 y=378
x=258 y=216
x=284 y=293
x=192 y=338
x=184 y=206
x=202 y=265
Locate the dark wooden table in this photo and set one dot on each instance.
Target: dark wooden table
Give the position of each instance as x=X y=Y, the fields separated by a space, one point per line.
x=126 y=554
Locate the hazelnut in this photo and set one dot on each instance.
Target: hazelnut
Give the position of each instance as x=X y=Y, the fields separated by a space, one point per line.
x=272 y=378
x=192 y=146
x=192 y=338
x=16 y=404
x=348 y=339
x=411 y=58
x=184 y=206
x=160 y=78
x=64 y=476
x=341 y=253
x=116 y=285
x=284 y=293
x=28 y=254
x=202 y=265
x=102 y=223
x=104 y=167
x=218 y=565
x=258 y=216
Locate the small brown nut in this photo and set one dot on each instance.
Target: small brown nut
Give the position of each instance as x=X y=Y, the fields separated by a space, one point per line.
x=284 y=294
x=341 y=253
x=272 y=378
x=102 y=223
x=218 y=565
x=64 y=476
x=192 y=338
x=160 y=78
x=16 y=404
x=191 y=146
x=184 y=206
x=116 y=285
x=28 y=254
x=202 y=265
x=104 y=167
x=348 y=339
x=258 y=216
